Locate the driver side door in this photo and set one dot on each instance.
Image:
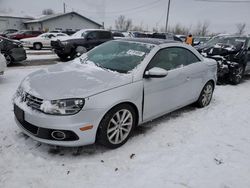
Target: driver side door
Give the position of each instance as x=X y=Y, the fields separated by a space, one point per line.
x=163 y=95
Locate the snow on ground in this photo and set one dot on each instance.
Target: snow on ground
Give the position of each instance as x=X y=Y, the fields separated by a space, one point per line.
x=41 y=57
x=190 y=148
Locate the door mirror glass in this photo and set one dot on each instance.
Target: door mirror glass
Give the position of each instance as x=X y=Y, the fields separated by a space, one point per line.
x=156 y=72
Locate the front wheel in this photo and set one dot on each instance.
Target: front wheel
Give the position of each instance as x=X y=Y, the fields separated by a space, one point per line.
x=206 y=95
x=237 y=75
x=9 y=59
x=116 y=126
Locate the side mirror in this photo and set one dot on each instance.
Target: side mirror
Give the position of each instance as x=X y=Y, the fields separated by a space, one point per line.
x=80 y=50
x=156 y=72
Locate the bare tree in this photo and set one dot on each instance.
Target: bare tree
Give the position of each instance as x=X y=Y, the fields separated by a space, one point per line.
x=202 y=29
x=179 y=29
x=137 y=28
x=48 y=11
x=122 y=23
x=240 y=28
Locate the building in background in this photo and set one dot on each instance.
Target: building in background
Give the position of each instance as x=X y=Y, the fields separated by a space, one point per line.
x=62 y=21
x=13 y=22
x=71 y=21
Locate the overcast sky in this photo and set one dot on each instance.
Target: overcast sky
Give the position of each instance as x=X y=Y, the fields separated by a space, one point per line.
x=222 y=17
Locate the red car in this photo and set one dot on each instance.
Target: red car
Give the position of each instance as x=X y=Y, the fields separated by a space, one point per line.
x=24 y=34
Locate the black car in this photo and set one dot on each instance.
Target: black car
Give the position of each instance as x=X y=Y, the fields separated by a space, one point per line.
x=232 y=54
x=81 y=41
x=12 y=50
x=168 y=36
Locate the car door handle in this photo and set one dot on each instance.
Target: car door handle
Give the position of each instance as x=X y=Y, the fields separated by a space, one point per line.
x=188 y=78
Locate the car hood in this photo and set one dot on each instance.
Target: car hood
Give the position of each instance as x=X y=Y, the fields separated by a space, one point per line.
x=72 y=80
x=222 y=49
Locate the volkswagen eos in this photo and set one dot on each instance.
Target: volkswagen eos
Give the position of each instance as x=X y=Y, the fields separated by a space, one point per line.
x=103 y=95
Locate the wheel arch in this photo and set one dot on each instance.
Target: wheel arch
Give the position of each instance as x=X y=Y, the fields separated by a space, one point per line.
x=116 y=105
x=129 y=103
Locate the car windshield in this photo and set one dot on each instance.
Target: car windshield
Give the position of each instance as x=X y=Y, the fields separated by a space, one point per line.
x=79 y=34
x=120 y=56
x=226 y=40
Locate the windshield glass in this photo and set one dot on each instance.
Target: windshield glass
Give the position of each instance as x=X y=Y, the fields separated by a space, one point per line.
x=120 y=56
x=79 y=34
x=226 y=40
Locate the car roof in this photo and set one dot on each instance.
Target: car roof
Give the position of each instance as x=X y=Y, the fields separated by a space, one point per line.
x=149 y=40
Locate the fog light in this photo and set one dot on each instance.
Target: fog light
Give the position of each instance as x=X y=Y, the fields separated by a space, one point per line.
x=58 y=135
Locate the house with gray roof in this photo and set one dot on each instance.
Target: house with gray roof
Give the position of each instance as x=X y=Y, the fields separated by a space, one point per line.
x=62 y=21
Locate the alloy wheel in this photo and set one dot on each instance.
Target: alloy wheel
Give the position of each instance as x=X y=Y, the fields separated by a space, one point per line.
x=239 y=73
x=120 y=126
x=207 y=94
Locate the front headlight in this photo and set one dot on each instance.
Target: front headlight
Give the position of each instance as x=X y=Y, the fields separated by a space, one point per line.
x=62 y=106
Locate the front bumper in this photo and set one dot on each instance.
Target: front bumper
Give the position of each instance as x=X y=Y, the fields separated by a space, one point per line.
x=61 y=49
x=45 y=124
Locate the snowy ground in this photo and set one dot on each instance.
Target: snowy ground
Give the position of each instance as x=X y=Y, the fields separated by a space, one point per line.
x=190 y=148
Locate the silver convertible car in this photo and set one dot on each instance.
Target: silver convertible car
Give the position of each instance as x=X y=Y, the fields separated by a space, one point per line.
x=103 y=95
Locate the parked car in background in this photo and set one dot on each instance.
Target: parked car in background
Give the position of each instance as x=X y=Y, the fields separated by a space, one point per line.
x=127 y=34
x=232 y=54
x=2 y=64
x=8 y=31
x=182 y=37
x=109 y=90
x=41 y=41
x=138 y=34
x=168 y=36
x=24 y=34
x=117 y=35
x=12 y=50
x=68 y=32
x=81 y=41
x=200 y=40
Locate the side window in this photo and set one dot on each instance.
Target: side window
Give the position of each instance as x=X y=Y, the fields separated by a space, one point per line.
x=172 y=58
x=248 y=45
x=60 y=35
x=28 y=33
x=104 y=35
x=92 y=35
x=191 y=58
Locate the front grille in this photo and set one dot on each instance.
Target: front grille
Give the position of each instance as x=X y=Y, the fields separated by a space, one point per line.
x=55 y=44
x=33 y=102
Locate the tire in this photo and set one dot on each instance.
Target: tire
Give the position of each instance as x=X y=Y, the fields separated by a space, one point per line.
x=63 y=57
x=37 y=46
x=206 y=95
x=9 y=59
x=237 y=75
x=112 y=132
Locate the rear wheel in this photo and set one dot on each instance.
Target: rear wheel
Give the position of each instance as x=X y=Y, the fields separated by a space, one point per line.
x=116 y=126
x=237 y=75
x=206 y=95
x=63 y=57
x=37 y=46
